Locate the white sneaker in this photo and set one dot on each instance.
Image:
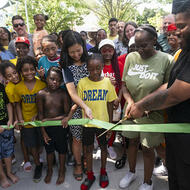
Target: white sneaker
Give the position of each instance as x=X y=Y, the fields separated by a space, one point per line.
x=112 y=153
x=145 y=186
x=160 y=171
x=127 y=179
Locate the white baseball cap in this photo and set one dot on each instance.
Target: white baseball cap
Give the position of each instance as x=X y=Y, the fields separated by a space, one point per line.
x=106 y=42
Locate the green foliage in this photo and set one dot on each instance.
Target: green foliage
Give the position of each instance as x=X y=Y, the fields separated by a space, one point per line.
x=62 y=14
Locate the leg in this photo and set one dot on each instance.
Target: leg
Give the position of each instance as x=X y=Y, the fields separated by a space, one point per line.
x=50 y=159
x=3 y=179
x=161 y=152
x=89 y=157
x=77 y=149
x=8 y=163
x=24 y=150
x=35 y=155
x=149 y=158
x=103 y=156
x=61 y=176
x=132 y=153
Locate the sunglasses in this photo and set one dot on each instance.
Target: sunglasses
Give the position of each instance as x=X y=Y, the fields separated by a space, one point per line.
x=19 y=24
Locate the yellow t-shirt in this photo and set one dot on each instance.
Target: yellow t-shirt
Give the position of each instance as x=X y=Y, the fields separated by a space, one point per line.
x=96 y=95
x=10 y=91
x=28 y=98
x=112 y=37
x=14 y=61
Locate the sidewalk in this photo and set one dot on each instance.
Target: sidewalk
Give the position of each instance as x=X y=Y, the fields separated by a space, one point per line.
x=70 y=183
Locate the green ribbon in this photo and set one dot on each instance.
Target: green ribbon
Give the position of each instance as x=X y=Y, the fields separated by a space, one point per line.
x=154 y=128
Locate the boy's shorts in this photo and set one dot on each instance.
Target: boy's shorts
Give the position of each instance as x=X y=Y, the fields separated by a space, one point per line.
x=147 y=139
x=6 y=144
x=32 y=137
x=90 y=132
x=58 y=142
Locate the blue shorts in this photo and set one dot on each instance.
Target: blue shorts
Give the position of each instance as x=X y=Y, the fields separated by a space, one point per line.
x=6 y=144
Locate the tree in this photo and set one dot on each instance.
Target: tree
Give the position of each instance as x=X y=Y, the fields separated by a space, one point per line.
x=105 y=9
x=62 y=14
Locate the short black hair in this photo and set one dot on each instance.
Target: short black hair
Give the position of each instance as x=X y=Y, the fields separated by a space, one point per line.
x=57 y=70
x=83 y=32
x=95 y=56
x=25 y=60
x=112 y=20
x=4 y=65
x=184 y=8
x=44 y=16
x=16 y=17
x=49 y=38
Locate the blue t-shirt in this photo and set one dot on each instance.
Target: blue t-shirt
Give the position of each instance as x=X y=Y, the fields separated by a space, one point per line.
x=6 y=55
x=46 y=64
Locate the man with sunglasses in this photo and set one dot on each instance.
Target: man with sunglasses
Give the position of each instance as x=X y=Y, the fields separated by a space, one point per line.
x=20 y=28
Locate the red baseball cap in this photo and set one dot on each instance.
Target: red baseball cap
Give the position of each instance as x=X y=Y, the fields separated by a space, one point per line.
x=171 y=27
x=22 y=40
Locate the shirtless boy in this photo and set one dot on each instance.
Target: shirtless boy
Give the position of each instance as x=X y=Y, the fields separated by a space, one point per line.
x=54 y=104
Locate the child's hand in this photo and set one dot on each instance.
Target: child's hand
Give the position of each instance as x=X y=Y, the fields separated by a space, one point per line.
x=46 y=138
x=34 y=118
x=116 y=104
x=9 y=123
x=88 y=113
x=65 y=122
x=1 y=129
x=113 y=81
x=108 y=135
x=21 y=124
x=41 y=71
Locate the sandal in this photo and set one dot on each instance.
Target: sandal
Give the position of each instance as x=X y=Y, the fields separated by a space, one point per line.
x=87 y=183
x=104 y=181
x=79 y=176
x=27 y=167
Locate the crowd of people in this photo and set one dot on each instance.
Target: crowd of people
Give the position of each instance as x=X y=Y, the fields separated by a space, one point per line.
x=133 y=71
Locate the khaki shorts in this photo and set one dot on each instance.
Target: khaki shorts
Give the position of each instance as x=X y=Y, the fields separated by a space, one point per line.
x=147 y=139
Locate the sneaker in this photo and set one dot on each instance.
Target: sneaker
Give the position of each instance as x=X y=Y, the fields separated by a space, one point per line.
x=112 y=153
x=127 y=179
x=145 y=186
x=38 y=173
x=160 y=171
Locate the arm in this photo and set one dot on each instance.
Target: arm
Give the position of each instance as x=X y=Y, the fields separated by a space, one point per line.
x=177 y=93
x=10 y=114
x=73 y=93
x=127 y=97
x=110 y=110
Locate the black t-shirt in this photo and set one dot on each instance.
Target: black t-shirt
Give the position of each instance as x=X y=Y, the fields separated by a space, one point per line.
x=180 y=113
x=67 y=75
x=3 y=105
x=94 y=50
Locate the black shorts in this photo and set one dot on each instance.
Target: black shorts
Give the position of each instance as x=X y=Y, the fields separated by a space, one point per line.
x=32 y=137
x=90 y=132
x=58 y=142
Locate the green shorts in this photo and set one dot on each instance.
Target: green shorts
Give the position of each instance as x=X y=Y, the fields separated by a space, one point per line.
x=147 y=139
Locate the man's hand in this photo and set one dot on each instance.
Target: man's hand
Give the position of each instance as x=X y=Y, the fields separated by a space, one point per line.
x=65 y=122
x=46 y=138
x=128 y=109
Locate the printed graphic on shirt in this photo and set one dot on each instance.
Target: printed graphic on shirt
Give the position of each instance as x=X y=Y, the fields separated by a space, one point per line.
x=95 y=95
x=143 y=72
x=109 y=75
x=3 y=114
x=29 y=98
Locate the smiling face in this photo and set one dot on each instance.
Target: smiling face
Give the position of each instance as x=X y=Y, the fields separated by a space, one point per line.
x=3 y=34
x=53 y=80
x=12 y=75
x=172 y=39
x=20 y=27
x=22 y=49
x=183 y=30
x=39 y=22
x=113 y=27
x=95 y=67
x=75 y=52
x=107 y=52
x=28 y=72
x=129 y=31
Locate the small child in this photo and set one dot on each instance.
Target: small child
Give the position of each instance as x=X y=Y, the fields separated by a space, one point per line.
x=49 y=48
x=6 y=140
x=39 y=33
x=54 y=104
x=22 y=45
x=10 y=74
x=25 y=98
x=99 y=94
